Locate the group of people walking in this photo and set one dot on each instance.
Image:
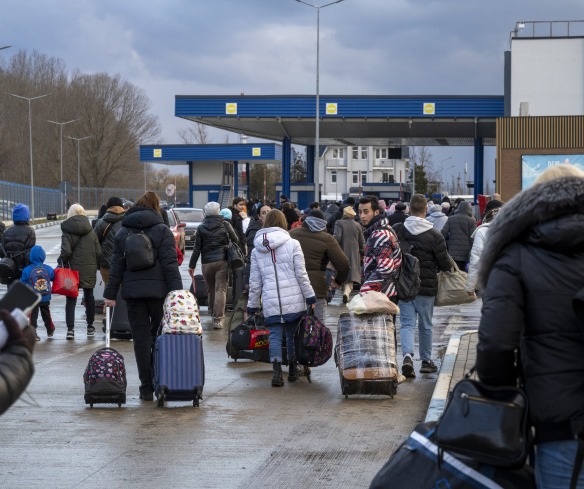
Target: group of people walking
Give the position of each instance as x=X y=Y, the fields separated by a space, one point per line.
x=525 y=258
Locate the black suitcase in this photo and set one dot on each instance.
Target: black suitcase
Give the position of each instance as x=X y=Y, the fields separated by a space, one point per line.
x=120 y=325
x=200 y=290
x=105 y=374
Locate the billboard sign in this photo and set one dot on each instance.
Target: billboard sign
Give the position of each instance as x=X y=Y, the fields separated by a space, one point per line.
x=533 y=165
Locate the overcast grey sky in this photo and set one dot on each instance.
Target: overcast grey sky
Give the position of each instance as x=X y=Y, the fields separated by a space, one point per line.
x=220 y=47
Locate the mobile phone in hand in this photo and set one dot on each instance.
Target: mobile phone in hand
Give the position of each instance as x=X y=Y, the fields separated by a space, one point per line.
x=20 y=296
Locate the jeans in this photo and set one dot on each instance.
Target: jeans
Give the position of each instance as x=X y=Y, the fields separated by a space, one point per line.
x=70 y=304
x=215 y=275
x=276 y=340
x=422 y=309
x=144 y=316
x=554 y=462
x=320 y=309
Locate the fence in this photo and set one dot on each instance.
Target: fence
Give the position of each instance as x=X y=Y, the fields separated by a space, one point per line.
x=51 y=201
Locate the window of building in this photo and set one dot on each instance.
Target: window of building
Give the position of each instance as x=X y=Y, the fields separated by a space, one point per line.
x=359 y=152
x=334 y=176
x=387 y=177
x=355 y=177
x=339 y=153
x=363 y=152
x=363 y=178
x=381 y=153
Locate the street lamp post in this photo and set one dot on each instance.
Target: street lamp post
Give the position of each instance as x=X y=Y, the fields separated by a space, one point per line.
x=29 y=99
x=79 y=166
x=61 y=124
x=317 y=137
x=441 y=163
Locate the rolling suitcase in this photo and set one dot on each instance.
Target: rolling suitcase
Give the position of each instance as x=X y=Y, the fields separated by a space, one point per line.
x=199 y=290
x=179 y=368
x=105 y=374
x=120 y=327
x=365 y=354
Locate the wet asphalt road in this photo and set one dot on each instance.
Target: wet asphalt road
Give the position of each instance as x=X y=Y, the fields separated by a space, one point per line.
x=245 y=434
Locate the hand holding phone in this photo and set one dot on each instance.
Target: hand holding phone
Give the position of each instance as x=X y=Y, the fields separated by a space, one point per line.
x=17 y=303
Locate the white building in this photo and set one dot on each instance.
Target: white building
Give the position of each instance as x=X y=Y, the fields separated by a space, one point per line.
x=351 y=170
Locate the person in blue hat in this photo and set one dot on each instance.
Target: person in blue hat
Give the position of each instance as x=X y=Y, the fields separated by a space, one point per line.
x=18 y=239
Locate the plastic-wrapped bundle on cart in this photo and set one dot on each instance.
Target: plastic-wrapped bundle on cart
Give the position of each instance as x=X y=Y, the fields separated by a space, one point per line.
x=365 y=354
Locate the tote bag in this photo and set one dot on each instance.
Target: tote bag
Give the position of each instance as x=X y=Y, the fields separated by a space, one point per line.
x=66 y=282
x=451 y=288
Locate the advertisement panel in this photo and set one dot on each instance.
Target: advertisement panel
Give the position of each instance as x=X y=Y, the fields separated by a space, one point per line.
x=533 y=165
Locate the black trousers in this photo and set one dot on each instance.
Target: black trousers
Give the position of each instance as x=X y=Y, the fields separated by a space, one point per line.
x=44 y=307
x=89 y=308
x=144 y=316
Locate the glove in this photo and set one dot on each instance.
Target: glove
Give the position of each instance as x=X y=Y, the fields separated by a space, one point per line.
x=16 y=336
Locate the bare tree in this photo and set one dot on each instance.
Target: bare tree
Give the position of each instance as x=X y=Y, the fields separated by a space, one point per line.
x=195 y=133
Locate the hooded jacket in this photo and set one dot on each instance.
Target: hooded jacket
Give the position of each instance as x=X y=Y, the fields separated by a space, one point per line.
x=152 y=283
x=37 y=259
x=106 y=229
x=438 y=219
x=320 y=248
x=278 y=277
x=80 y=249
x=211 y=240
x=458 y=231
x=479 y=238
x=17 y=241
x=429 y=247
x=531 y=269
x=382 y=260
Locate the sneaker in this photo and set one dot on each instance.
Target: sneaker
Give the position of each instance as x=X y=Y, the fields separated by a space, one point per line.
x=90 y=330
x=37 y=336
x=51 y=331
x=217 y=324
x=70 y=334
x=147 y=395
x=408 y=368
x=345 y=298
x=428 y=367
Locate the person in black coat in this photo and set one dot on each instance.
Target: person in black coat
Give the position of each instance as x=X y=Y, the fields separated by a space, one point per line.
x=211 y=242
x=105 y=230
x=457 y=232
x=144 y=290
x=18 y=239
x=532 y=268
x=254 y=226
x=399 y=215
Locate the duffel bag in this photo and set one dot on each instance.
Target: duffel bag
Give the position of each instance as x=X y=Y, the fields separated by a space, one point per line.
x=249 y=335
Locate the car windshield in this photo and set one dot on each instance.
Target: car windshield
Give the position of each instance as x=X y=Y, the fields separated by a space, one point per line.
x=171 y=221
x=190 y=215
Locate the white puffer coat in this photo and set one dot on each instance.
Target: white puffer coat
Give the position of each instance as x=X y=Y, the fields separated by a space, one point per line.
x=275 y=246
x=480 y=237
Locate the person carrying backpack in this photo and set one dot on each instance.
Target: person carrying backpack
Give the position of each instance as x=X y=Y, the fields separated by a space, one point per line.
x=144 y=264
x=429 y=247
x=39 y=277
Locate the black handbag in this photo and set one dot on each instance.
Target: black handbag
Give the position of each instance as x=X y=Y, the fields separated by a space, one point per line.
x=234 y=255
x=488 y=424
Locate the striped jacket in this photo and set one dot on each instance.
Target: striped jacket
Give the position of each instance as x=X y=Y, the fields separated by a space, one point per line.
x=382 y=260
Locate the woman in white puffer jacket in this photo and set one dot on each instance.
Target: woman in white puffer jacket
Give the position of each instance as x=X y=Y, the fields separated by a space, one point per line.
x=278 y=275
x=480 y=236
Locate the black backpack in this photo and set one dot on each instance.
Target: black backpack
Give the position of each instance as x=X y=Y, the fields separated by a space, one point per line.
x=408 y=283
x=139 y=251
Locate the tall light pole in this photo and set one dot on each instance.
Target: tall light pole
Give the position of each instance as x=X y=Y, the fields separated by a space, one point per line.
x=61 y=124
x=30 y=145
x=79 y=166
x=317 y=137
x=441 y=163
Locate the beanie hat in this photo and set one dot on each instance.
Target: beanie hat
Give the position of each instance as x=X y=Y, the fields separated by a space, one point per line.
x=212 y=209
x=348 y=211
x=400 y=206
x=20 y=213
x=226 y=213
x=114 y=202
x=436 y=208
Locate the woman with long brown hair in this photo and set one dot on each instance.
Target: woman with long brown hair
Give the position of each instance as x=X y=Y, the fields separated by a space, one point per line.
x=278 y=276
x=144 y=289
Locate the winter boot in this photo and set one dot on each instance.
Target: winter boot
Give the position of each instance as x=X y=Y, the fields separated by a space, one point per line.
x=293 y=371
x=277 y=379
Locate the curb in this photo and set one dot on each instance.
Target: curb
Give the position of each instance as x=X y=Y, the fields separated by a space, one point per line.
x=442 y=388
x=46 y=224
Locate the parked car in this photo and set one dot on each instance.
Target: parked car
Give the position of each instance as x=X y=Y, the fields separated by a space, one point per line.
x=192 y=218
x=178 y=229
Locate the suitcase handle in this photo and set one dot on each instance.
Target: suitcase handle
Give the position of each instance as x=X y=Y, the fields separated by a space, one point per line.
x=108 y=324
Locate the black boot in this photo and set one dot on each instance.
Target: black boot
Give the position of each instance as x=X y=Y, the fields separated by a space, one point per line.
x=293 y=371
x=277 y=379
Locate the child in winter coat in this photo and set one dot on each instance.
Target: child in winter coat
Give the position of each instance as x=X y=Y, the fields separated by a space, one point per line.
x=39 y=277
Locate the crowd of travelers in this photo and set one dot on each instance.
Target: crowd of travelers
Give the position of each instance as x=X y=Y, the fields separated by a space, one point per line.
x=524 y=258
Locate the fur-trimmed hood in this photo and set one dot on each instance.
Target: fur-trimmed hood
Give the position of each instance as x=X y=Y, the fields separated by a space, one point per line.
x=550 y=215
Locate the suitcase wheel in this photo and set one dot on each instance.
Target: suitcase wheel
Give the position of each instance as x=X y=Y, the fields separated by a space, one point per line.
x=160 y=400
x=91 y=405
